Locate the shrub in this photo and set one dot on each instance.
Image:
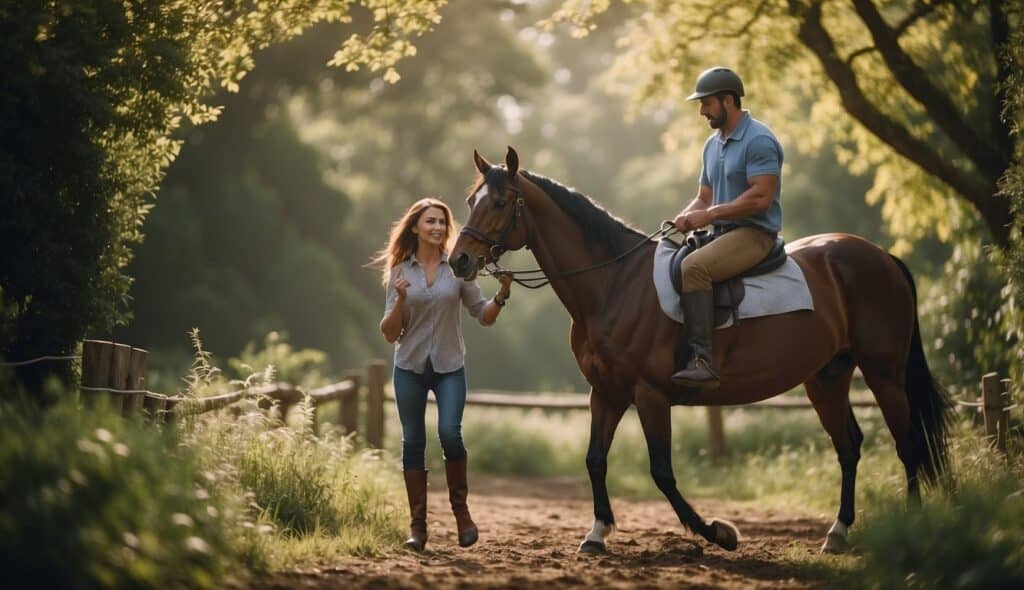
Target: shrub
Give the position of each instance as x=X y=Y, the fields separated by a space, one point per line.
x=93 y=501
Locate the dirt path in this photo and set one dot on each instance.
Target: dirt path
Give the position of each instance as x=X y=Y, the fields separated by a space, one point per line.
x=530 y=530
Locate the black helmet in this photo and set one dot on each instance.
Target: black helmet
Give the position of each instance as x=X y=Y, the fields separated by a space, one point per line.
x=715 y=80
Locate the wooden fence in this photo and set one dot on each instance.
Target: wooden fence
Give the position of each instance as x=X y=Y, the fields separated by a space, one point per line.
x=117 y=371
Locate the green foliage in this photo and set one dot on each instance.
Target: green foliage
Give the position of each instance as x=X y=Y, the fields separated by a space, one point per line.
x=970 y=321
x=92 y=501
x=968 y=539
x=1012 y=184
x=313 y=496
x=908 y=91
x=303 y=368
x=94 y=92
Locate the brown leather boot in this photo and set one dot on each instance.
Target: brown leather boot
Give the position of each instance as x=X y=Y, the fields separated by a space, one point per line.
x=416 y=489
x=698 y=312
x=458 y=490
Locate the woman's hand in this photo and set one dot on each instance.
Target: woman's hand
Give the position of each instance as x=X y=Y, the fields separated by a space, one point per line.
x=401 y=285
x=505 y=278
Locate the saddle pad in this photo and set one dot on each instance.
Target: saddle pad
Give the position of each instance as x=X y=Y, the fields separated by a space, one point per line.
x=781 y=291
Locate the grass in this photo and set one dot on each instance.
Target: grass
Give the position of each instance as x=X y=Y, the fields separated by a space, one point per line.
x=791 y=446
x=314 y=495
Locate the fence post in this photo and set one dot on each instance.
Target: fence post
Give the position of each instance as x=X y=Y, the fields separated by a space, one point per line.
x=95 y=368
x=136 y=381
x=1006 y=397
x=118 y=379
x=348 y=407
x=375 y=371
x=993 y=410
x=716 y=433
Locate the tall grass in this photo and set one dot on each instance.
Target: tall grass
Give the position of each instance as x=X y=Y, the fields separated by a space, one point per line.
x=970 y=536
x=316 y=495
x=90 y=500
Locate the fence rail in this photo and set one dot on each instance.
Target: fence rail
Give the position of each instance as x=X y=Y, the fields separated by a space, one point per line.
x=118 y=372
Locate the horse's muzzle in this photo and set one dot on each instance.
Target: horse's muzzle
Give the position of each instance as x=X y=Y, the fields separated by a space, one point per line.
x=462 y=265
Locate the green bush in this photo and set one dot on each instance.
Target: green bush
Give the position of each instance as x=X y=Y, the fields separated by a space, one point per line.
x=93 y=501
x=970 y=322
x=970 y=538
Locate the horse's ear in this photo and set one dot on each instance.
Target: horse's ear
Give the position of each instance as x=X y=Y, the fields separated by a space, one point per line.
x=481 y=164
x=512 y=162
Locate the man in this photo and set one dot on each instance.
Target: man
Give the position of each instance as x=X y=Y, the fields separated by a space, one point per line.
x=740 y=184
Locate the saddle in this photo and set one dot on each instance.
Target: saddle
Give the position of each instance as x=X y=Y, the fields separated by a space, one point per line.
x=727 y=294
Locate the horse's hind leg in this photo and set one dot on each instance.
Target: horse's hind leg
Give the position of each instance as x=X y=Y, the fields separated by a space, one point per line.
x=829 y=392
x=887 y=382
x=655 y=418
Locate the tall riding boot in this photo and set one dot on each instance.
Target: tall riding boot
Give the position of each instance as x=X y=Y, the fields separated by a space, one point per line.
x=458 y=490
x=416 y=488
x=698 y=310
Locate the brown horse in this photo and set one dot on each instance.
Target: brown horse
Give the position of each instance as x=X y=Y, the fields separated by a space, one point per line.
x=865 y=315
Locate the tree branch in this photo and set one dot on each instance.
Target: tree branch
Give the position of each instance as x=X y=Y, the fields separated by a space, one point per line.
x=923 y=10
x=940 y=108
x=976 y=189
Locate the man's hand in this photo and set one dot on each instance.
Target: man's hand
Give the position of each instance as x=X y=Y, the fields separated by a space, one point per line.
x=694 y=219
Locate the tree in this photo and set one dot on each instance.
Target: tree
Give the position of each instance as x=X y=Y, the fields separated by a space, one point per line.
x=94 y=92
x=913 y=89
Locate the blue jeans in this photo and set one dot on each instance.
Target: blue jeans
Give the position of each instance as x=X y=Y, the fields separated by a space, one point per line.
x=411 y=398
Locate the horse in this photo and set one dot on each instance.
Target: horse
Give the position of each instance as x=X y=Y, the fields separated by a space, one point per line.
x=865 y=315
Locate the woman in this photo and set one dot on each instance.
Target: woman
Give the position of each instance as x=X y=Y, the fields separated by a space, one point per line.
x=421 y=317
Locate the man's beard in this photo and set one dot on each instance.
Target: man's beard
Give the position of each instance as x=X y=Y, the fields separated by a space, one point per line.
x=719 y=121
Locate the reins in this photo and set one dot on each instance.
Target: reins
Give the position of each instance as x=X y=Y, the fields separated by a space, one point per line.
x=529 y=278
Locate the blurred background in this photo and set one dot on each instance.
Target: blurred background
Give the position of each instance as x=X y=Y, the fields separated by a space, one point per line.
x=267 y=217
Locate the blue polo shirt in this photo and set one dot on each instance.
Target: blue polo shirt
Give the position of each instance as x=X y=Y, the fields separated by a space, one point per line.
x=751 y=150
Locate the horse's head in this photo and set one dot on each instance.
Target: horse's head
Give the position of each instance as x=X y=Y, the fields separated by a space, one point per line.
x=495 y=223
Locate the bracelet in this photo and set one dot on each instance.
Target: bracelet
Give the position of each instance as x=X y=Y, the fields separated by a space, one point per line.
x=499 y=303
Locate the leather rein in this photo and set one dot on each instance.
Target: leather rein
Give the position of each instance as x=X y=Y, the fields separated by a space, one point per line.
x=535 y=278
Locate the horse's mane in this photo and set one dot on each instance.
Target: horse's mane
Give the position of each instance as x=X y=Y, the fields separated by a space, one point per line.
x=597 y=223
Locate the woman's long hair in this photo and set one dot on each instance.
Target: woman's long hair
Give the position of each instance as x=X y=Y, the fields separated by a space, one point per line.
x=402 y=243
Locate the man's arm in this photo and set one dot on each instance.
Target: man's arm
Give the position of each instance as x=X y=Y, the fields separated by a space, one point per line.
x=701 y=202
x=756 y=199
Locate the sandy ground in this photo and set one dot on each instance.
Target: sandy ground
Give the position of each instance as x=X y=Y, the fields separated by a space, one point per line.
x=530 y=529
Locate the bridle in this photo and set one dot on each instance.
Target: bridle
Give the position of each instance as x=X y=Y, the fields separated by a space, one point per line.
x=498 y=246
x=535 y=278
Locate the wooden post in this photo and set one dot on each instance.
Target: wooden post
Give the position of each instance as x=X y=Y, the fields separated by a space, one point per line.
x=375 y=371
x=155 y=406
x=716 y=433
x=118 y=379
x=136 y=381
x=992 y=407
x=95 y=368
x=348 y=407
x=1005 y=402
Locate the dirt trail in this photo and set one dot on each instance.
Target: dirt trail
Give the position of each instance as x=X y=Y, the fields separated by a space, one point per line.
x=530 y=530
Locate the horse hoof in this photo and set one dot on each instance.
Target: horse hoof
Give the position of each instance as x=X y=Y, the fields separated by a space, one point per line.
x=835 y=544
x=727 y=536
x=592 y=548
x=468 y=538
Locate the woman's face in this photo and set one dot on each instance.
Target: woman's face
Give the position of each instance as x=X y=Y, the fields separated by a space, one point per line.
x=432 y=228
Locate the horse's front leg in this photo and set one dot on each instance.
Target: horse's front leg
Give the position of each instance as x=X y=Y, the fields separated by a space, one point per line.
x=656 y=419
x=605 y=415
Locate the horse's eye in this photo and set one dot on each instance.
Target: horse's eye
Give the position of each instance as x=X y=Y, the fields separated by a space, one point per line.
x=499 y=204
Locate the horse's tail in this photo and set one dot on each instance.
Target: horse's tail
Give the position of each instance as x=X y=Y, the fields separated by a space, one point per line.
x=930 y=407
